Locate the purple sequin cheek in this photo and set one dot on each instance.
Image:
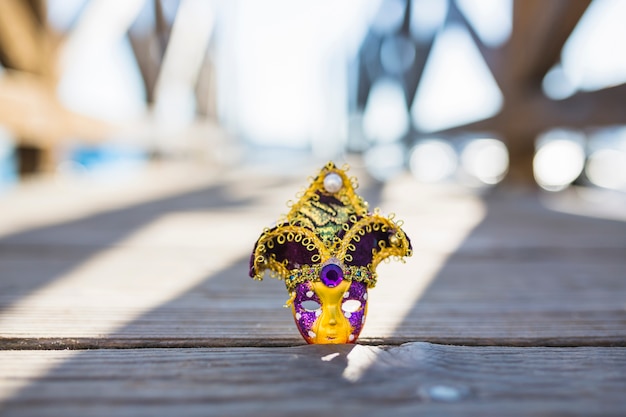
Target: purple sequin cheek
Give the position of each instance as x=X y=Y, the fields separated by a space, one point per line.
x=354 y=306
x=306 y=310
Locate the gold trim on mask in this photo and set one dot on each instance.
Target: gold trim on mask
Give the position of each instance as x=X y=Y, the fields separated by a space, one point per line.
x=328 y=225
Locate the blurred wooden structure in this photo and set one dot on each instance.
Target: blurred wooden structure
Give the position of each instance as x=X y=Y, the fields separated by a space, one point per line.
x=29 y=106
x=30 y=48
x=31 y=51
x=540 y=29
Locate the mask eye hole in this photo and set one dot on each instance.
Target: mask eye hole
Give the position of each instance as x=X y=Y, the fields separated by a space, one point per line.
x=310 y=305
x=350 y=306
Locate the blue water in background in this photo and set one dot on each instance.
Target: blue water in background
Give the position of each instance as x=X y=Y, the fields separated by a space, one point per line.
x=105 y=161
x=8 y=163
x=102 y=162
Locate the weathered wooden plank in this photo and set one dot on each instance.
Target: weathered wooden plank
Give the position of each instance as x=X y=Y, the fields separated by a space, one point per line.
x=413 y=379
x=89 y=276
x=173 y=272
x=526 y=273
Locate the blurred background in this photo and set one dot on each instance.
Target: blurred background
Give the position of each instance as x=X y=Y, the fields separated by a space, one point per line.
x=474 y=92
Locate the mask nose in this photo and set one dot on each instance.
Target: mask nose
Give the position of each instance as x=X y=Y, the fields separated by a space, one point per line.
x=331 y=316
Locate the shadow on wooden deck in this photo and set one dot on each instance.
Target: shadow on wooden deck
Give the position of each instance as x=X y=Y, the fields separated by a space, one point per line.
x=527 y=276
x=41 y=255
x=483 y=338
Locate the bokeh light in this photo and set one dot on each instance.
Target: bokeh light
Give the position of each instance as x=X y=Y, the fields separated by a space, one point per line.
x=559 y=160
x=486 y=159
x=607 y=168
x=457 y=86
x=389 y=16
x=593 y=56
x=557 y=85
x=385 y=161
x=427 y=16
x=432 y=160
x=492 y=19
x=386 y=118
x=397 y=54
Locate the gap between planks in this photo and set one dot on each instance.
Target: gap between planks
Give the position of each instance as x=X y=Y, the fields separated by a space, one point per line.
x=84 y=343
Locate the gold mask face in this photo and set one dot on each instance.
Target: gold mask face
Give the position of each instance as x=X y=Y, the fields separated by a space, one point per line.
x=330 y=314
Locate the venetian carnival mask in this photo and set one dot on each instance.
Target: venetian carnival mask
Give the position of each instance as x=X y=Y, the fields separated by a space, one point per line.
x=326 y=250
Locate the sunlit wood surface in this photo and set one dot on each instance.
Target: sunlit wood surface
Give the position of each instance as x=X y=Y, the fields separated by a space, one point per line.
x=508 y=307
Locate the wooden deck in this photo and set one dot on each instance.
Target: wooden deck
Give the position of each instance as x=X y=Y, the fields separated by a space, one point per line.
x=132 y=298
